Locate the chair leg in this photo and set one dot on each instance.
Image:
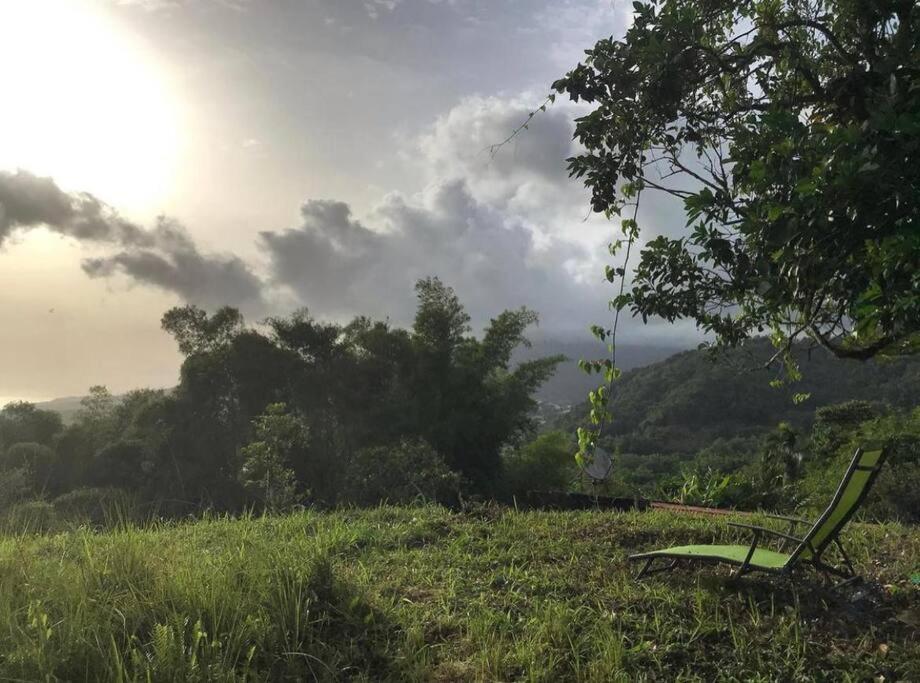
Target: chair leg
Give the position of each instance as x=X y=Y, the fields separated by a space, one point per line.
x=846 y=558
x=846 y=582
x=647 y=570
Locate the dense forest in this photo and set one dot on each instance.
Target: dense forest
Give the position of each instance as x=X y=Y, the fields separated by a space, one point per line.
x=694 y=398
x=710 y=427
x=294 y=411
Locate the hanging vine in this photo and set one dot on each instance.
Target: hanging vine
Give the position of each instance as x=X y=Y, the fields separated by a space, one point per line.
x=600 y=414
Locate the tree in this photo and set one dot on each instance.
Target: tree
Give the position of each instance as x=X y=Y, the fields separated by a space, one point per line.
x=321 y=384
x=266 y=472
x=23 y=422
x=195 y=332
x=97 y=412
x=790 y=131
x=36 y=460
x=441 y=322
x=468 y=401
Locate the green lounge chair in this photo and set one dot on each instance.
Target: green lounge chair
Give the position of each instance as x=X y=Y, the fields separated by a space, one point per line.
x=809 y=548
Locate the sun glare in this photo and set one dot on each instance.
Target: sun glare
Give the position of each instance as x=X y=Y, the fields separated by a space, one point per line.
x=84 y=104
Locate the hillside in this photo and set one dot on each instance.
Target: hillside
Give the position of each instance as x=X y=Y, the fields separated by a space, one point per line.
x=683 y=403
x=569 y=384
x=413 y=594
x=67 y=407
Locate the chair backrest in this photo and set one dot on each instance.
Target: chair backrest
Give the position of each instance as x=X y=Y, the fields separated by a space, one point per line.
x=858 y=479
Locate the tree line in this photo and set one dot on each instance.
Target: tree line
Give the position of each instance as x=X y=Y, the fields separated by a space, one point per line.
x=295 y=410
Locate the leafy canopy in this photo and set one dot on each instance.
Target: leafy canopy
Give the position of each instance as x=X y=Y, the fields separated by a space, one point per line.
x=790 y=130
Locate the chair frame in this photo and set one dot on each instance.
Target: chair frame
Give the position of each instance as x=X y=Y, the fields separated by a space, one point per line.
x=845 y=571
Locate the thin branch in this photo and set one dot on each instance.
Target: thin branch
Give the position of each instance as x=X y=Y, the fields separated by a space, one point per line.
x=493 y=149
x=824 y=30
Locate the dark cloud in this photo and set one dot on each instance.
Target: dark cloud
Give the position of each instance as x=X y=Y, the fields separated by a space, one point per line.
x=505 y=229
x=176 y=264
x=337 y=265
x=165 y=256
x=28 y=201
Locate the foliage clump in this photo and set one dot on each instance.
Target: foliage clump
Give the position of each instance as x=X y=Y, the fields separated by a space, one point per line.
x=265 y=473
x=789 y=132
x=544 y=464
x=401 y=473
x=896 y=493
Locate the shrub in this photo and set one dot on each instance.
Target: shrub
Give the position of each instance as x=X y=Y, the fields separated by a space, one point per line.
x=265 y=472
x=896 y=494
x=95 y=506
x=37 y=460
x=402 y=473
x=546 y=463
x=835 y=423
x=707 y=488
x=31 y=517
x=14 y=486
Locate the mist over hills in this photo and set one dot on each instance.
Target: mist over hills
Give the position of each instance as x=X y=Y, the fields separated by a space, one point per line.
x=570 y=385
x=66 y=407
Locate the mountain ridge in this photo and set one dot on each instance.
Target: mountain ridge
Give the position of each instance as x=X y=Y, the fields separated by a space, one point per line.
x=692 y=398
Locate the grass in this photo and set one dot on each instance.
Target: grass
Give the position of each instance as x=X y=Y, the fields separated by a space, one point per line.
x=427 y=594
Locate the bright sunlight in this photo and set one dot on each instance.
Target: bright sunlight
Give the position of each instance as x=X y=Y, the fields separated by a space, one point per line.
x=84 y=104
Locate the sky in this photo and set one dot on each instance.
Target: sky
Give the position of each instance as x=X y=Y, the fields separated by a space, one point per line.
x=280 y=154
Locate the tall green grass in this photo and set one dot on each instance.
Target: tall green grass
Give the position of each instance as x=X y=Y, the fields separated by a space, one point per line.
x=426 y=594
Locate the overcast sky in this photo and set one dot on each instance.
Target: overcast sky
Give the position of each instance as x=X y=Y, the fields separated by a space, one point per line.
x=275 y=154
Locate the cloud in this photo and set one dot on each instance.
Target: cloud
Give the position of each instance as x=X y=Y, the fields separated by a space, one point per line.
x=572 y=26
x=169 y=5
x=176 y=264
x=526 y=175
x=373 y=7
x=337 y=265
x=28 y=201
x=165 y=256
x=461 y=142
x=505 y=230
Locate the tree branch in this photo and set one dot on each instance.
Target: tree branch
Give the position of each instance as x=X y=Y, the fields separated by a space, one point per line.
x=861 y=353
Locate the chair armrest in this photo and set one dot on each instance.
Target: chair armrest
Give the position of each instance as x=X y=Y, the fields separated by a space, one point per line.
x=764 y=530
x=794 y=520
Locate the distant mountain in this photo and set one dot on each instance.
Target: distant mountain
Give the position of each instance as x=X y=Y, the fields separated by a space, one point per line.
x=685 y=402
x=570 y=385
x=67 y=407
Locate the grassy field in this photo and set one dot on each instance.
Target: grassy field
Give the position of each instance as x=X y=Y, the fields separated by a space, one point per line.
x=426 y=594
